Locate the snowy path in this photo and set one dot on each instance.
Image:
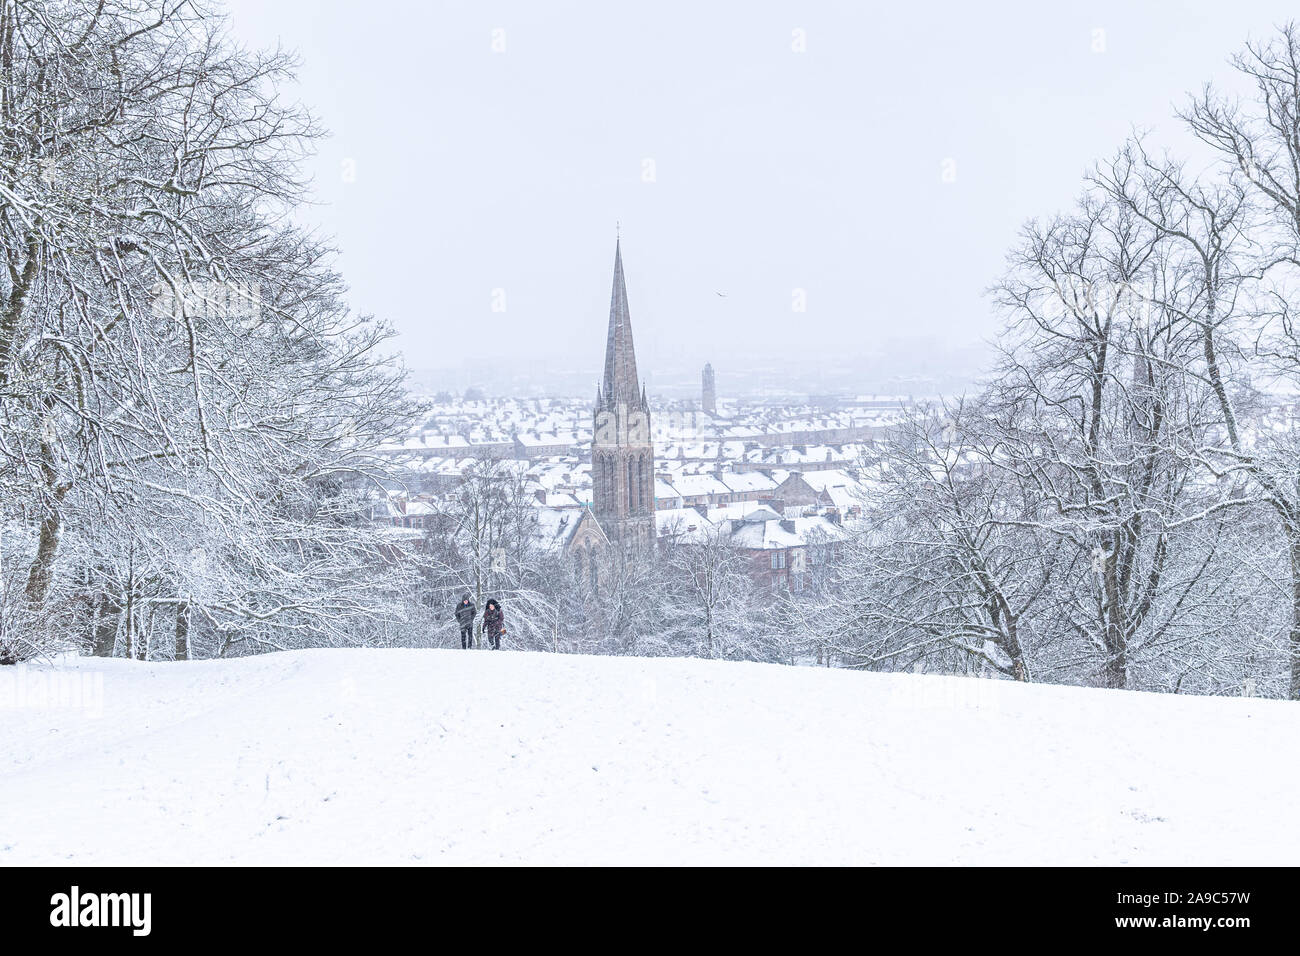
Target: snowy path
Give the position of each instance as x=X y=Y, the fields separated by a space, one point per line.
x=451 y=757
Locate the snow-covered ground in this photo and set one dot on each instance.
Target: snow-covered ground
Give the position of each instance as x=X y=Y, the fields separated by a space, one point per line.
x=476 y=757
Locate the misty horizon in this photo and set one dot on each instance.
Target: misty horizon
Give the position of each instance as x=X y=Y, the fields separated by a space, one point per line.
x=789 y=158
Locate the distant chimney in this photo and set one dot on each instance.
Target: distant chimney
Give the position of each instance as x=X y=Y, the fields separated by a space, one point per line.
x=708 y=391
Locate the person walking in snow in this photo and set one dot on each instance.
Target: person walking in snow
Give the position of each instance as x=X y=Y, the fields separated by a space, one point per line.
x=465 y=612
x=494 y=623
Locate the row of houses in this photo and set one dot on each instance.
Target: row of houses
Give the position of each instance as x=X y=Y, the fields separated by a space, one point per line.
x=511 y=428
x=830 y=450
x=831 y=489
x=786 y=525
x=780 y=546
x=564 y=484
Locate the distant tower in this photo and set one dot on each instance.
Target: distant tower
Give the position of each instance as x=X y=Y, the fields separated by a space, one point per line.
x=709 y=396
x=622 y=452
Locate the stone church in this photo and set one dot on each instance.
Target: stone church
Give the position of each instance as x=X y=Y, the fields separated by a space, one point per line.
x=622 y=514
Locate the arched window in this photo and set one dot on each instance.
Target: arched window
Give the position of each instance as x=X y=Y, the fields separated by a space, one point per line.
x=631 y=485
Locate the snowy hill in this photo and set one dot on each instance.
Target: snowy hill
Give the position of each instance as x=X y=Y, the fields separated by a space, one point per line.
x=453 y=757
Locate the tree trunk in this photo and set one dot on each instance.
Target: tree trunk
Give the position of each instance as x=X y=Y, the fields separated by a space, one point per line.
x=128 y=615
x=1019 y=670
x=102 y=634
x=182 y=652
x=1115 y=671
x=1293 y=690
x=41 y=572
x=128 y=625
x=16 y=303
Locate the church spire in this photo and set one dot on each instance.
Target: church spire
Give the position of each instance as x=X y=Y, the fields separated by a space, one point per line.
x=622 y=452
x=621 y=382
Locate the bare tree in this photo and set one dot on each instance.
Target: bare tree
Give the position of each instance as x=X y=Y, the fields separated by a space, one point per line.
x=710 y=600
x=950 y=559
x=1257 y=139
x=172 y=353
x=1092 y=418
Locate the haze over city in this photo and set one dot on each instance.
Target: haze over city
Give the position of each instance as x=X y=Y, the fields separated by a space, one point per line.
x=874 y=159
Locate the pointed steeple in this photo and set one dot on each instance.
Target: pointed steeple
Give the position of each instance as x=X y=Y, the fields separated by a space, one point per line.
x=622 y=452
x=621 y=382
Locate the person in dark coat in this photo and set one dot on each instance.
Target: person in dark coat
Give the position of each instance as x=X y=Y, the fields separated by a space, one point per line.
x=494 y=623
x=465 y=612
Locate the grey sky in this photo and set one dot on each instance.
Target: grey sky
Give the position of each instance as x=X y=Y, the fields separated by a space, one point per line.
x=774 y=170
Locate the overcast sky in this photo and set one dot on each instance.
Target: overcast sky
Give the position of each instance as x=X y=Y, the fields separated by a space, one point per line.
x=482 y=152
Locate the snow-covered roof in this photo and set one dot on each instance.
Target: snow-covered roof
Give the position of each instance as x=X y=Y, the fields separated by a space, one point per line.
x=774 y=535
x=746 y=481
x=820 y=480
x=532 y=440
x=744 y=511
x=663 y=490
x=689 y=486
x=682 y=524
x=553 y=528
x=556 y=499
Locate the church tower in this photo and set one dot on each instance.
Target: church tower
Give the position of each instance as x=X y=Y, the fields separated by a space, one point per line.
x=622 y=451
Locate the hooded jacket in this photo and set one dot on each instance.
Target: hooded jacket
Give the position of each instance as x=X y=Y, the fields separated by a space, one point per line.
x=494 y=619
x=465 y=611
